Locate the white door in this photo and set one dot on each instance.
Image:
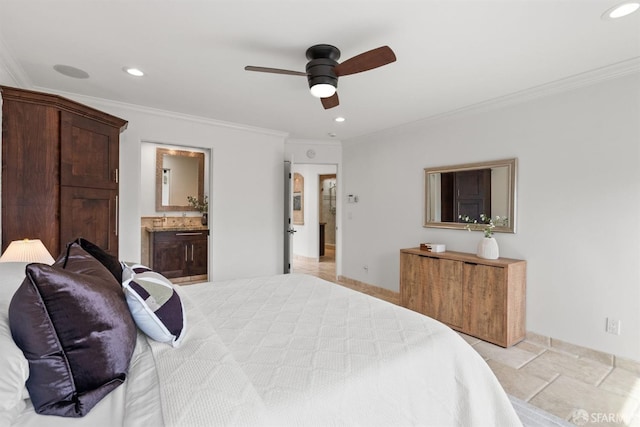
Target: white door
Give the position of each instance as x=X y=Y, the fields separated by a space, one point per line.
x=288 y=213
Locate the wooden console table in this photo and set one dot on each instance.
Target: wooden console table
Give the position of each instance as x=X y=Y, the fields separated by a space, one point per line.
x=479 y=297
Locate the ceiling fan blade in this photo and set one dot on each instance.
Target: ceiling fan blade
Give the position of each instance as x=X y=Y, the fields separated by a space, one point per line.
x=366 y=61
x=274 y=71
x=330 y=102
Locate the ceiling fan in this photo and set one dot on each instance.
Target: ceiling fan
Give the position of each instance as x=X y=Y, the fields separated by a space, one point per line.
x=323 y=70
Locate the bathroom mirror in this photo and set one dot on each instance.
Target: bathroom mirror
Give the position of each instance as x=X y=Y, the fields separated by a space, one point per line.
x=471 y=189
x=178 y=174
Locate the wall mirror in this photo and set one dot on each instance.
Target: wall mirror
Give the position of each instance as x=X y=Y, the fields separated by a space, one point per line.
x=471 y=189
x=298 y=199
x=178 y=174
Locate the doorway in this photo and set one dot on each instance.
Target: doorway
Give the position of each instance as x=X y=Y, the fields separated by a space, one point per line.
x=315 y=239
x=327 y=215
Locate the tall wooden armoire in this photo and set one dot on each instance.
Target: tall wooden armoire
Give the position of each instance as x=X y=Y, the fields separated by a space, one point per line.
x=59 y=171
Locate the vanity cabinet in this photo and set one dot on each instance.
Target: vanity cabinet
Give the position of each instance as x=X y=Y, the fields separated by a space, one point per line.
x=180 y=255
x=59 y=171
x=479 y=297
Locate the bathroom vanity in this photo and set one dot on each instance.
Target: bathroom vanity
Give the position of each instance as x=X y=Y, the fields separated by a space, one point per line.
x=179 y=253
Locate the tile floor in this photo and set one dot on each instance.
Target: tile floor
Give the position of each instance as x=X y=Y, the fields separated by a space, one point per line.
x=579 y=385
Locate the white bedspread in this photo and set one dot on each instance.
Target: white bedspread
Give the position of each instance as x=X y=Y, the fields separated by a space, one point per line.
x=297 y=350
x=201 y=384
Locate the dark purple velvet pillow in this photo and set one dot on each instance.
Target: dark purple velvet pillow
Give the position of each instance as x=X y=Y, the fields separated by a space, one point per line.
x=109 y=261
x=74 y=327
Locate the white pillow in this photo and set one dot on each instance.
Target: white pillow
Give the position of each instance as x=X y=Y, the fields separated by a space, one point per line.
x=154 y=303
x=13 y=365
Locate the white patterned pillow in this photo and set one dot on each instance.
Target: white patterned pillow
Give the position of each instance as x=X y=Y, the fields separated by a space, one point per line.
x=154 y=303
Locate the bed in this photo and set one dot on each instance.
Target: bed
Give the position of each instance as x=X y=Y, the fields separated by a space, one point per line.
x=280 y=350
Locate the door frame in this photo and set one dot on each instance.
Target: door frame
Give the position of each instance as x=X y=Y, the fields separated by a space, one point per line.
x=288 y=214
x=338 y=172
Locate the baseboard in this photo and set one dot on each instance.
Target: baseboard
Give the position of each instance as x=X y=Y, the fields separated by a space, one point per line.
x=375 y=291
x=541 y=340
x=305 y=258
x=584 y=352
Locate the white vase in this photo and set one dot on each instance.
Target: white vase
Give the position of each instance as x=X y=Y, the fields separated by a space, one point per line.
x=488 y=248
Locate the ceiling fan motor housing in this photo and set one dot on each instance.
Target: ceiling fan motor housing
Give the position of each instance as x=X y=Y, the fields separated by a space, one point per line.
x=322 y=61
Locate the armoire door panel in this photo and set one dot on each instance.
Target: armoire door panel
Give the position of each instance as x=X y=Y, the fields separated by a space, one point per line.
x=30 y=170
x=50 y=142
x=89 y=213
x=89 y=153
x=472 y=193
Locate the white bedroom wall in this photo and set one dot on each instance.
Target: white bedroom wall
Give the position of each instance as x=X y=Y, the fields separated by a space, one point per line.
x=246 y=201
x=578 y=204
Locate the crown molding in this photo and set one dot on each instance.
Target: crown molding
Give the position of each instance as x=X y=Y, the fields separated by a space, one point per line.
x=107 y=103
x=587 y=78
x=306 y=142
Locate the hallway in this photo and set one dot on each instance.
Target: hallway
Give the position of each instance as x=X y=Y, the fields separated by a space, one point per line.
x=325 y=268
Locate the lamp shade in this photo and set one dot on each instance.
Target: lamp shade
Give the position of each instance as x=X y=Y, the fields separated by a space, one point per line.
x=27 y=251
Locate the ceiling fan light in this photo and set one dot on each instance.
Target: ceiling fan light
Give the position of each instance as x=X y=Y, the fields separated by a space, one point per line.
x=323 y=90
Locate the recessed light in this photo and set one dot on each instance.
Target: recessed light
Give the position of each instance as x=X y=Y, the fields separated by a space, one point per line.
x=339 y=119
x=70 y=71
x=133 y=71
x=622 y=9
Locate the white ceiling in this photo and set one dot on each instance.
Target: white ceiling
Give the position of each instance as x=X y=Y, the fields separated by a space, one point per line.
x=451 y=54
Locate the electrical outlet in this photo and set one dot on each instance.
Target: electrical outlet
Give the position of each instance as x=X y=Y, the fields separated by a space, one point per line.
x=366 y=268
x=613 y=326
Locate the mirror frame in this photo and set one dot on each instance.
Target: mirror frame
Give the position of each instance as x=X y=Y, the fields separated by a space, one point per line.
x=298 y=191
x=511 y=164
x=160 y=153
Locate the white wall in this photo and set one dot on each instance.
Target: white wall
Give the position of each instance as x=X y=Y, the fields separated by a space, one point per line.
x=246 y=198
x=297 y=151
x=578 y=204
